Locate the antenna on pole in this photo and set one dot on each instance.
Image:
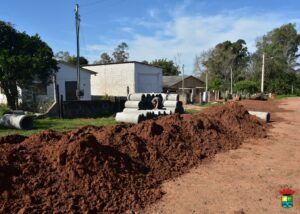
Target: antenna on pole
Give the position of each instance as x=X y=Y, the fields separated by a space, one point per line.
x=79 y=93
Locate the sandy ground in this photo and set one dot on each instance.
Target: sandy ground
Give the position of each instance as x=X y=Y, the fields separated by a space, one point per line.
x=246 y=180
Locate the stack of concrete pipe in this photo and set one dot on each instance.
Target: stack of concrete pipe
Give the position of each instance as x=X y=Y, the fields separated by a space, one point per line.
x=138 y=107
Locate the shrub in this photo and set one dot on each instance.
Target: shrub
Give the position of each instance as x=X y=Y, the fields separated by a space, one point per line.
x=246 y=86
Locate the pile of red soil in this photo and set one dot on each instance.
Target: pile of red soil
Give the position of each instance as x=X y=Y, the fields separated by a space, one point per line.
x=114 y=169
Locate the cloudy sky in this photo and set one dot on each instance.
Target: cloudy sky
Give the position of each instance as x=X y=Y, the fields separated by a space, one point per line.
x=152 y=28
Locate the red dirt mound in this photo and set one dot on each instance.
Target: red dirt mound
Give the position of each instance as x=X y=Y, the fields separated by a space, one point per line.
x=114 y=169
x=12 y=139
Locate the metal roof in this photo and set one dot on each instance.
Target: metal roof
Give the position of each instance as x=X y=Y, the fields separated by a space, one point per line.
x=169 y=81
x=113 y=63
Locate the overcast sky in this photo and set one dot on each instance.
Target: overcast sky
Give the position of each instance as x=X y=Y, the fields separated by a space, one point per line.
x=152 y=28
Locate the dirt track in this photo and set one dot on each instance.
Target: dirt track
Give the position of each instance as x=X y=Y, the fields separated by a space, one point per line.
x=246 y=180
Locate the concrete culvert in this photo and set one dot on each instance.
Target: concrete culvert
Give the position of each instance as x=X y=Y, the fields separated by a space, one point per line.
x=262 y=115
x=130 y=117
x=136 y=97
x=134 y=104
x=17 y=121
x=172 y=97
x=172 y=104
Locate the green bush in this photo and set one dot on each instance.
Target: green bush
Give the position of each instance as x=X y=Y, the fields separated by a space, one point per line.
x=3 y=108
x=105 y=97
x=246 y=86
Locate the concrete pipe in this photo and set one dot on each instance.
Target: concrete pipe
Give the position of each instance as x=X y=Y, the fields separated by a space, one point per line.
x=129 y=117
x=167 y=112
x=134 y=104
x=161 y=112
x=164 y=97
x=136 y=97
x=144 y=112
x=130 y=110
x=158 y=112
x=262 y=115
x=17 y=121
x=172 y=97
x=171 y=104
x=171 y=110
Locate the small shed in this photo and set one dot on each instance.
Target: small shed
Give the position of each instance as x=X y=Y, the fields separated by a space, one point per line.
x=188 y=87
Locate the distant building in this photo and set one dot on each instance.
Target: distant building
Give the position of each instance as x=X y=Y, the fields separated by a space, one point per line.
x=66 y=80
x=119 y=79
x=192 y=87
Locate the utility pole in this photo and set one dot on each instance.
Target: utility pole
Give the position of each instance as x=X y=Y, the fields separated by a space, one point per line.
x=77 y=18
x=206 y=80
x=183 y=79
x=262 y=73
x=231 y=80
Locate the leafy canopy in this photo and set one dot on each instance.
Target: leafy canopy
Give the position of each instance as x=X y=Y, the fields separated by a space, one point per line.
x=168 y=66
x=280 y=47
x=23 y=58
x=120 y=54
x=65 y=56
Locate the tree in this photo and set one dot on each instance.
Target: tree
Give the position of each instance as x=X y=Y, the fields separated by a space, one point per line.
x=66 y=57
x=168 y=66
x=280 y=47
x=22 y=59
x=199 y=61
x=145 y=62
x=73 y=60
x=105 y=59
x=216 y=85
x=224 y=57
x=120 y=54
x=62 y=55
x=247 y=86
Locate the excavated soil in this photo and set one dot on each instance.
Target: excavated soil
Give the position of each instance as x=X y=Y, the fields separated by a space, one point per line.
x=114 y=169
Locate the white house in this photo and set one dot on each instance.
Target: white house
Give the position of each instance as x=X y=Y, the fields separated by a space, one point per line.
x=119 y=79
x=66 y=80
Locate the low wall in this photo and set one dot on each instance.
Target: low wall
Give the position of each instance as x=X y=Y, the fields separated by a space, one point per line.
x=92 y=108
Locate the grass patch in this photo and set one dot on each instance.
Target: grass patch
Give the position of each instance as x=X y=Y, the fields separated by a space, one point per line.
x=3 y=109
x=284 y=96
x=191 y=111
x=59 y=125
x=210 y=104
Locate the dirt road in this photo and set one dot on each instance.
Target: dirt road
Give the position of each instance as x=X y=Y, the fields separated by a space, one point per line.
x=246 y=180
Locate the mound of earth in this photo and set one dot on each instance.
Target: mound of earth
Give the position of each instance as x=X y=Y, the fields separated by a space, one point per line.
x=114 y=169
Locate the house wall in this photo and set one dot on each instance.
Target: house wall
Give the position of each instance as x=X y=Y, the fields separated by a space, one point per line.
x=68 y=73
x=148 y=79
x=113 y=79
x=65 y=73
x=2 y=99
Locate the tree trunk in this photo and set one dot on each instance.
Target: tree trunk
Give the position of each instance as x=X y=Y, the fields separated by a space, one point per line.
x=11 y=93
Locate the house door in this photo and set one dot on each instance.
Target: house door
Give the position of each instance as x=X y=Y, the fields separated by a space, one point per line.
x=70 y=87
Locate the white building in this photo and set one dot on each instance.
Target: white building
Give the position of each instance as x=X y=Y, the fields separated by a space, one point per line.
x=66 y=80
x=119 y=79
